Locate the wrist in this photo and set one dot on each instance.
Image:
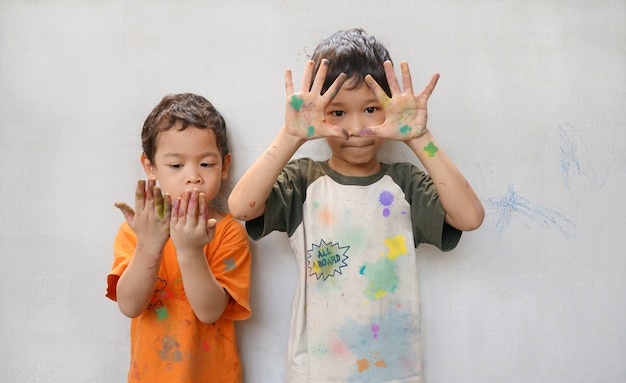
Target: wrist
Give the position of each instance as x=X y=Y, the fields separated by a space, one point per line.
x=285 y=137
x=148 y=254
x=425 y=147
x=421 y=140
x=186 y=254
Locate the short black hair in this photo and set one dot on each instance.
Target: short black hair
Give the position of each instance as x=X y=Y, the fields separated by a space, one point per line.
x=354 y=53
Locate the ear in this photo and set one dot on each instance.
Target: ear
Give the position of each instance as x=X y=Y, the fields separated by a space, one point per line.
x=148 y=167
x=225 y=166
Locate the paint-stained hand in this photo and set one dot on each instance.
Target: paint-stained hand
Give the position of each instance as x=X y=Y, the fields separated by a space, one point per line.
x=305 y=110
x=150 y=220
x=406 y=112
x=191 y=229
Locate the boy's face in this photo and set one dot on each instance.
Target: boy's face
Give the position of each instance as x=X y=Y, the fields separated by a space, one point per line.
x=186 y=160
x=353 y=110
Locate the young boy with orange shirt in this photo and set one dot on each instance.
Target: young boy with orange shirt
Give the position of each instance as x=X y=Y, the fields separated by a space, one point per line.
x=181 y=267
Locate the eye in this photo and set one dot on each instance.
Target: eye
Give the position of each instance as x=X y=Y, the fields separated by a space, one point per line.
x=175 y=166
x=207 y=165
x=370 y=110
x=338 y=113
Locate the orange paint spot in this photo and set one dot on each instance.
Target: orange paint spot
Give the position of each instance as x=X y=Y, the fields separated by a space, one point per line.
x=363 y=364
x=381 y=363
x=327 y=216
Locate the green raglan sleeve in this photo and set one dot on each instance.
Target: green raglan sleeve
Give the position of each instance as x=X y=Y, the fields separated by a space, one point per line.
x=283 y=208
x=427 y=213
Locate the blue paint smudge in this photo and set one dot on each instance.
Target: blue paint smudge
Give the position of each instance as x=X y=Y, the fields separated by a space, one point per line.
x=513 y=205
x=574 y=157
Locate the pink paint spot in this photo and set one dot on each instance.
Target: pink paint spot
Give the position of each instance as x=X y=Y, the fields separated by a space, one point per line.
x=338 y=348
x=205 y=346
x=252 y=204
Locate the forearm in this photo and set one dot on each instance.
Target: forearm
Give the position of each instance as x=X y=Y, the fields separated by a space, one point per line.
x=247 y=199
x=136 y=284
x=205 y=294
x=464 y=210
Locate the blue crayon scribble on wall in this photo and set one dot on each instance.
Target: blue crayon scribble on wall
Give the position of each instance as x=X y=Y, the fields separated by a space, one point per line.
x=514 y=207
x=574 y=156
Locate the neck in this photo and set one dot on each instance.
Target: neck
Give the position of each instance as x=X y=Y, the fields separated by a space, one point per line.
x=354 y=170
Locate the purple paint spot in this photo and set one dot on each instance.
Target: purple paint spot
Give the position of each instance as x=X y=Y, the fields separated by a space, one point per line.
x=386 y=198
x=386 y=212
x=375 y=329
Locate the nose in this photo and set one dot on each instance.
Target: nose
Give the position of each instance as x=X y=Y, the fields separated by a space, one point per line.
x=193 y=177
x=355 y=125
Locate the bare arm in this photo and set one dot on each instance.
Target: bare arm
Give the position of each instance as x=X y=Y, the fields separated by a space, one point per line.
x=463 y=208
x=304 y=120
x=150 y=222
x=406 y=118
x=247 y=199
x=191 y=231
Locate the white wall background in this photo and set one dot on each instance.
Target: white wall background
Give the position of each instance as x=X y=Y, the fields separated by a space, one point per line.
x=531 y=105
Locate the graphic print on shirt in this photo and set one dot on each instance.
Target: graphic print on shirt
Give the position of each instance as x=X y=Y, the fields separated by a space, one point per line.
x=326 y=259
x=156 y=303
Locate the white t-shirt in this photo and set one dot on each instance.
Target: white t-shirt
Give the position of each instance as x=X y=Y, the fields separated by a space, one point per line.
x=355 y=312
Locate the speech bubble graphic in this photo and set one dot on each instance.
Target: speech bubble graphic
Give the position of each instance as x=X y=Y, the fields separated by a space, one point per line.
x=326 y=259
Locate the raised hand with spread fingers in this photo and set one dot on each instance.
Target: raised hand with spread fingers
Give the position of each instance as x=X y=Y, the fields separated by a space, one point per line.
x=406 y=112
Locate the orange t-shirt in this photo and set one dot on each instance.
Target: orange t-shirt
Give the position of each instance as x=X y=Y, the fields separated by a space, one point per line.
x=167 y=342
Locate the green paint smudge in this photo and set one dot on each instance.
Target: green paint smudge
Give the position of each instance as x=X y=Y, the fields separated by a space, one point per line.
x=405 y=129
x=431 y=149
x=296 y=102
x=382 y=278
x=310 y=132
x=162 y=313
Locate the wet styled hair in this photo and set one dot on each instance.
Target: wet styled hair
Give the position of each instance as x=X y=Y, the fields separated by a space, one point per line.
x=188 y=109
x=354 y=53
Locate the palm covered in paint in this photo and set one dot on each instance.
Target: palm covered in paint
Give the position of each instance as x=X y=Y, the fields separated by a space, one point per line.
x=305 y=110
x=406 y=113
x=150 y=220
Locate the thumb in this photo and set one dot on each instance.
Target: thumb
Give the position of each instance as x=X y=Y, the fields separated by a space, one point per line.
x=126 y=210
x=210 y=228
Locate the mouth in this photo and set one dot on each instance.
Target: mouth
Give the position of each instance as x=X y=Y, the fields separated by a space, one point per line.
x=357 y=144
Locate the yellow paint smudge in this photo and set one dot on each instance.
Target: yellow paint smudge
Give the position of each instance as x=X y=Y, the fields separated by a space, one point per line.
x=379 y=294
x=397 y=247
